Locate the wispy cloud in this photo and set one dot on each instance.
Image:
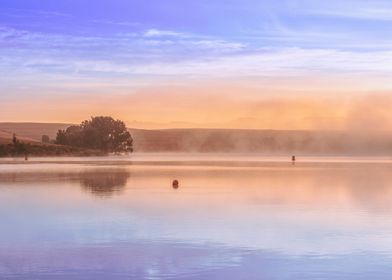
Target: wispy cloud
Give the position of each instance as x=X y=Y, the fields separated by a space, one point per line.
x=29 y=13
x=87 y=60
x=369 y=69
x=219 y=44
x=120 y=23
x=362 y=10
x=167 y=55
x=164 y=33
x=358 y=13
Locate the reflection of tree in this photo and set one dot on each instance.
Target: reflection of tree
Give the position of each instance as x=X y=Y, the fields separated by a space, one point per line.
x=104 y=183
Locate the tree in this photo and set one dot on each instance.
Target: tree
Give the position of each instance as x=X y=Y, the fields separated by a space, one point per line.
x=100 y=133
x=14 y=139
x=18 y=147
x=45 y=139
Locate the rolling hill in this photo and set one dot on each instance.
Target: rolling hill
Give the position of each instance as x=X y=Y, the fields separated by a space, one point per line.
x=32 y=130
x=229 y=140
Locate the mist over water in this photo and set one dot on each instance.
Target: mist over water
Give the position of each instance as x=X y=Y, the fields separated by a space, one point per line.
x=188 y=140
x=324 y=218
x=270 y=125
x=267 y=142
x=340 y=124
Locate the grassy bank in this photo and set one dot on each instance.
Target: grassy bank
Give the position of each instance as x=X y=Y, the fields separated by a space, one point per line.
x=41 y=150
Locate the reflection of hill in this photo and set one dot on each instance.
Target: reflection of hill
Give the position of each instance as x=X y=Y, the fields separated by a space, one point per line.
x=104 y=183
x=101 y=182
x=363 y=186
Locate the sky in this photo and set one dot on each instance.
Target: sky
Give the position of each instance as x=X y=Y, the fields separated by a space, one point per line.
x=297 y=64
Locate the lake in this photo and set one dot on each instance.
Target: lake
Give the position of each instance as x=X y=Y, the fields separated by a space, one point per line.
x=229 y=217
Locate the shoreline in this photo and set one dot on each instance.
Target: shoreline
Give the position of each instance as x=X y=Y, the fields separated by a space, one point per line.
x=200 y=160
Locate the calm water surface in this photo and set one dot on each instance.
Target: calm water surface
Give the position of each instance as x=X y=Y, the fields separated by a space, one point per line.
x=116 y=218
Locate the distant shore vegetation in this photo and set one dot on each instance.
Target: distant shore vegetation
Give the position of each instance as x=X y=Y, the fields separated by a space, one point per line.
x=26 y=149
x=99 y=133
x=97 y=136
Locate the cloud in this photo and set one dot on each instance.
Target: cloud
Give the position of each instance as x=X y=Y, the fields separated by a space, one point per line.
x=119 y=53
x=196 y=106
x=359 y=13
x=133 y=60
x=219 y=44
x=361 y=10
x=25 y=13
x=164 y=33
x=121 y=23
x=11 y=33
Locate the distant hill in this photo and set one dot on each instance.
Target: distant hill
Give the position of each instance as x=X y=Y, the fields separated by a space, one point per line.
x=35 y=147
x=32 y=130
x=6 y=138
x=261 y=141
x=231 y=140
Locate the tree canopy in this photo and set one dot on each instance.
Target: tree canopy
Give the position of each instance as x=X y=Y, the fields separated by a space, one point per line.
x=99 y=133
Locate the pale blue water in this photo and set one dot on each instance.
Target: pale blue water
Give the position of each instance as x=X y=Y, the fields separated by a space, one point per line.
x=112 y=218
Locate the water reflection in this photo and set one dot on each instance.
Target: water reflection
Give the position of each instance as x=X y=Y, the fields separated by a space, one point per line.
x=104 y=183
x=319 y=221
x=366 y=186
